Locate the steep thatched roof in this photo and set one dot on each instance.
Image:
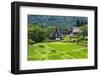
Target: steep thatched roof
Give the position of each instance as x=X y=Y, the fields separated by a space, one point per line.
x=55 y=34
x=76 y=29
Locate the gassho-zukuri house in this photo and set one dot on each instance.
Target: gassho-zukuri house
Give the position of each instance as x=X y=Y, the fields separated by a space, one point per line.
x=75 y=31
x=56 y=35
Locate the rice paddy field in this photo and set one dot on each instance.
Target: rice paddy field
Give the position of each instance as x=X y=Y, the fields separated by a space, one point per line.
x=56 y=51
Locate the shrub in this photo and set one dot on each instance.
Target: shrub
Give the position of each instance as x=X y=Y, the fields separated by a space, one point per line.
x=42 y=46
x=43 y=58
x=53 y=51
x=30 y=41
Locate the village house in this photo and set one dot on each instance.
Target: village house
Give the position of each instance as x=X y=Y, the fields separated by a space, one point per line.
x=75 y=31
x=55 y=35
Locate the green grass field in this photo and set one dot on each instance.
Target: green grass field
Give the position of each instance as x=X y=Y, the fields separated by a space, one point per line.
x=56 y=51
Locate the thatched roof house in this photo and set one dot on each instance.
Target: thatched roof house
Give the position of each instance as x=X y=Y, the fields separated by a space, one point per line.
x=55 y=35
x=75 y=31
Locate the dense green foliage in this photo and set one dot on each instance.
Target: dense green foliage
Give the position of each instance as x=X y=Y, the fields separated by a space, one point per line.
x=37 y=33
x=79 y=23
x=84 y=30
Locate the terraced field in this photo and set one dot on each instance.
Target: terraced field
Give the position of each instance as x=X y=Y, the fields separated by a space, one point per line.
x=56 y=51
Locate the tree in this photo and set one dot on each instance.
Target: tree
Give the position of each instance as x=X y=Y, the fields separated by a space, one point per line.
x=84 y=30
x=36 y=33
x=65 y=30
x=49 y=29
x=78 y=23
